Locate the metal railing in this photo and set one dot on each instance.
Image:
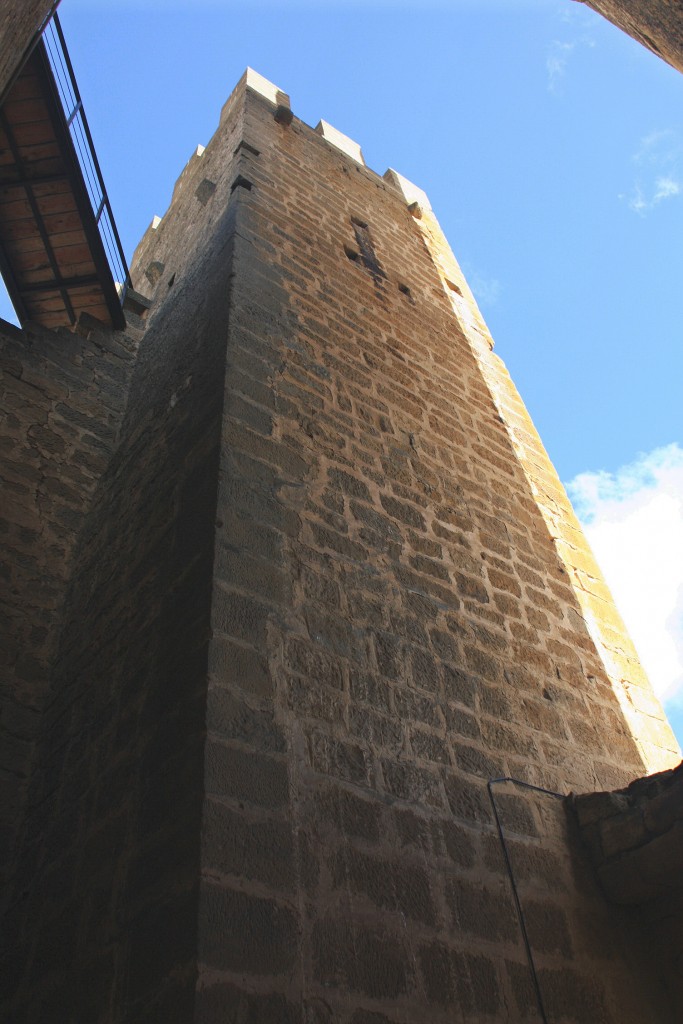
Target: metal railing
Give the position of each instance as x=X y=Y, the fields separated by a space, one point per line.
x=77 y=125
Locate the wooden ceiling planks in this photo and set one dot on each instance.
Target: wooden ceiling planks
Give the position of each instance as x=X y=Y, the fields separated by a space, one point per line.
x=51 y=253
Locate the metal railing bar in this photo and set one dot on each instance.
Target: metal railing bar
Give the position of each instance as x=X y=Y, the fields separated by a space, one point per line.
x=73 y=113
x=66 y=93
x=79 y=130
x=95 y=189
x=508 y=863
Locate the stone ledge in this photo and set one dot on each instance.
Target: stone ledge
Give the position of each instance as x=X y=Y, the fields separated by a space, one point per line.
x=341 y=141
x=635 y=837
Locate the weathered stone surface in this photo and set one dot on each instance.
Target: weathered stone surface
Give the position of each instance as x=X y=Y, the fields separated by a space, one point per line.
x=19 y=21
x=246 y=933
x=657 y=25
x=360 y=959
x=635 y=838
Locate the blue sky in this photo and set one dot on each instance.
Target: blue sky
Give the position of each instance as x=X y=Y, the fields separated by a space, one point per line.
x=551 y=147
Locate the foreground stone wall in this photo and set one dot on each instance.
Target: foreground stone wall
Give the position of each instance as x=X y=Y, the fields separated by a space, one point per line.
x=102 y=924
x=635 y=838
x=19 y=22
x=316 y=603
x=657 y=24
x=62 y=398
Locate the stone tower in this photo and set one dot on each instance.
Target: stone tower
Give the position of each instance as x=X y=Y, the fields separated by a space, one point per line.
x=323 y=646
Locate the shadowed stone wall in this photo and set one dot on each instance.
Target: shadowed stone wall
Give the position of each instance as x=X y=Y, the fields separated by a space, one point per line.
x=102 y=924
x=62 y=397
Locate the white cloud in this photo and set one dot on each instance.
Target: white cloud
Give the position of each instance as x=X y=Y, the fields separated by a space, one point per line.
x=665 y=187
x=658 y=158
x=556 y=63
x=634 y=522
x=643 y=198
x=560 y=52
x=486 y=290
x=659 y=147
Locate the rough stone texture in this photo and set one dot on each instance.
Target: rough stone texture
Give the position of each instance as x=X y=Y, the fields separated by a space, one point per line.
x=635 y=838
x=326 y=586
x=102 y=923
x=19 y=22
x=62 y=397
x=657 y=24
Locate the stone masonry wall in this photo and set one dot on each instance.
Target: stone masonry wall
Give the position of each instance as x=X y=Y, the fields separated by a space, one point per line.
x=103 y=918
x=62 y=397
x=392 y=626
x=19 y=21
x=657 y=24
x=316 y=603
x=641 y=710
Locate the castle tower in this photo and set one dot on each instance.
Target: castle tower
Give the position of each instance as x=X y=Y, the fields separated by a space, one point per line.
x=332 y=645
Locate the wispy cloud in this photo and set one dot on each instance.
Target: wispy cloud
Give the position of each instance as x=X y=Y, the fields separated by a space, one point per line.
x=657 y=159
x=658 y=147
x=556 y=63
x=561 y=51
x=486 y=290
x=634 y=522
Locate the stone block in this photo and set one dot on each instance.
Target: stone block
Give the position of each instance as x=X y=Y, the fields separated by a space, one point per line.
x=313 y=663
x=547 y=928
x=403 y=512
x=428 y=747
x=243 y=776
x=360 y=959
x=594 y=807
x=367 y=689
x=230 y=717
x=468 y=801
x=622 y=832
x=378 y=731
x=459 y=686
x=663 y=810
x=486 y=912
x=340 y=637
x=409 y=782
x=252 y=848
x=573 y=995
x=403 y=888
x=231 y=663
x=246 y=933
x=410 y=192
x=456 y=843
x=342 y=760
x=218 y=1002
x=453 y=978
x=647 y=872
x=239 y=616
x=341 y=141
